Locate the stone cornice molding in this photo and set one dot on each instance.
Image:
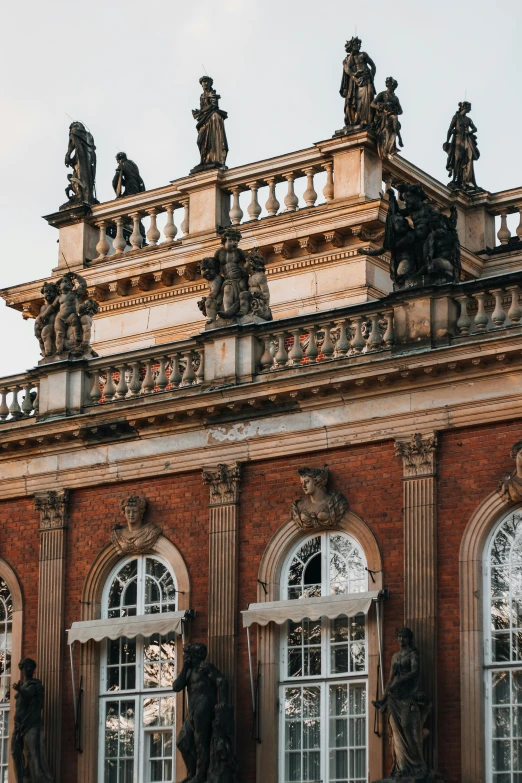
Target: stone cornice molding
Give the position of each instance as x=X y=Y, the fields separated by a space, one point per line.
x=224 y=483
x=418 y=455
x=52 y=506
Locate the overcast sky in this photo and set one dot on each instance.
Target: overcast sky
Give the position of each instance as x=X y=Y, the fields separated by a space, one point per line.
x=130 y=70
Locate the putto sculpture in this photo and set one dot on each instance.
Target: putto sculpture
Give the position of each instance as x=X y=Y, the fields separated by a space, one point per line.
x=205 y=739
x=212 y=139
x=407 y=708
x=511 y=486
x=137 y=536
x=81 y=158
x=319 y=508
x=127 y=180
x=237 y=285
x=63 y=326
x=386 y=120
x=28 y=742
x=357 y=87
x=461 y=148
x=424 y=253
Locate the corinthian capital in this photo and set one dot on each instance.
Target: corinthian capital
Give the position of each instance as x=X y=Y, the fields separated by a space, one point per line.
x=224 y=483
x=53 y=508
x=418 y=454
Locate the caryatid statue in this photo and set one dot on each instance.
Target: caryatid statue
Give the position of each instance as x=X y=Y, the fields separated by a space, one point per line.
x=212 y=139
x=357 y=87
x=387 y=126
x=127 y=180
x=81 y=157
x=462 y=150
x=28 y=742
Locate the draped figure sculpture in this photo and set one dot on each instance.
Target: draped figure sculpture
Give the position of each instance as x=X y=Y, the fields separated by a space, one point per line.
x=357 y=87
x=127 y=180
x=28 y=742
x=212 y=139
x=81 y=158
x=461 y=148
x=387 y=126
x=407 y=709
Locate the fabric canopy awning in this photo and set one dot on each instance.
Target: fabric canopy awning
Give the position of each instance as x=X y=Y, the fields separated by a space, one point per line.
x=330 y=606
x=116 y=627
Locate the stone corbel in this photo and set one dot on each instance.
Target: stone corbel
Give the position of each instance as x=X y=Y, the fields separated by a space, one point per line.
x=224 y=483
x=163 y=276
x=119 y=287
x=53 y=508
x=334 y=238
x=308 y=243
x=418 y=455
x=282 y=249
x=186 y=272
x=362 y=233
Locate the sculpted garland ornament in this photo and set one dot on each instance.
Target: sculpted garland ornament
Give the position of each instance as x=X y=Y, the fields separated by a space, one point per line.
x=320 y=508
x=137 y=537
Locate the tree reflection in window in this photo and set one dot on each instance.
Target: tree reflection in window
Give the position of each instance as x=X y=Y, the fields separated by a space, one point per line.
x=6 y=647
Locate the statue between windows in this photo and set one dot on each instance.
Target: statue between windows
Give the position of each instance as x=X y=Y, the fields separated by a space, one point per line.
x=28 y=743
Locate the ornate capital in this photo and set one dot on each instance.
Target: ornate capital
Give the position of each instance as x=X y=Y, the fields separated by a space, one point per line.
x=418 y=455
x=53 y=508
x=224 y=483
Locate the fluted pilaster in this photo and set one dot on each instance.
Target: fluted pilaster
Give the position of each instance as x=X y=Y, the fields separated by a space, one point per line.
x=52 y=507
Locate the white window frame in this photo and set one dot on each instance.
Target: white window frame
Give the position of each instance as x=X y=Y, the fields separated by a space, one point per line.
x=138 y=694
x=6 y=646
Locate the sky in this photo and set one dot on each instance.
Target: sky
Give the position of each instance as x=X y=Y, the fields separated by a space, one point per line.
x=130 y=72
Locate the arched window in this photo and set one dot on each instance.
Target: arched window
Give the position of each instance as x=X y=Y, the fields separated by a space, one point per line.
x=137 y=706
x=503 y=650
x=6 y=646
x=323 y=734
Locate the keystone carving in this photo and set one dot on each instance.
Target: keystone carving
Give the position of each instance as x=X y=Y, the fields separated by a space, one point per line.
x=511 y=486
x=224 y=483
x=418 y=455
x=53 y=508
x=319 y=508
x=136 y=537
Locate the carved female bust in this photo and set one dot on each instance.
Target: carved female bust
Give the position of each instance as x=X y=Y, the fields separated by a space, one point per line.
x=136 y=537
x=319 y=508
x=511 y=486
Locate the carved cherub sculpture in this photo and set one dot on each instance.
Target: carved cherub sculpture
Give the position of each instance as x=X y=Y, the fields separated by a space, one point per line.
x=44 y=323
x=232 y=263
x=511 y=486
x=258 y=285
x=319 y=508
x=136 y=537
x=72 y=288
x=86 y=311
x=211 y=304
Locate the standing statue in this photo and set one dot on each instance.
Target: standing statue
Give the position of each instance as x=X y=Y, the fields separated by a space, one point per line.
x=64 y=324
x=208 y=728
x=407 y=709
x=136 y=537
x=232 y=262
x=212 y=139
x=319 y=508
x=28 y=742
x=387 y=126
x=127 y=180
x=357 y=87
x=81 y=158
x=461 y=148
x=511 y=486
x=44 y=323
x=399 y=241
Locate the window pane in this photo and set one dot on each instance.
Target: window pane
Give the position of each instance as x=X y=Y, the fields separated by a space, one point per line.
x=159 y=750
x=304 y=648
x=119 y=741
x=347 y=732
x=302 y=733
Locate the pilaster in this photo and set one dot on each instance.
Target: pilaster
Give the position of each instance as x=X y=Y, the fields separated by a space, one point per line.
x=223 y=481
x=53 y=509
x=420 y=563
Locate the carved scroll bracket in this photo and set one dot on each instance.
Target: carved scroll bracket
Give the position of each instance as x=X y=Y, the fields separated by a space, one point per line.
x=224 y=483
x=418 y=455
x=52 y=506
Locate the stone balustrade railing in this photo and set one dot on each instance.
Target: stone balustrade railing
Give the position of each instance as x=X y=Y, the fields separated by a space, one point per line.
x=18 y=398
x=502 y=205
x=488 y=308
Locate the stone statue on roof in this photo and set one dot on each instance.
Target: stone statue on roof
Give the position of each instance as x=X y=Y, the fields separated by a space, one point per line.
x=81 y=158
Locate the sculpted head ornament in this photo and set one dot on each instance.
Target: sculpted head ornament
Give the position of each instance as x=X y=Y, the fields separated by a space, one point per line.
x=136 y=537
x=319 y=508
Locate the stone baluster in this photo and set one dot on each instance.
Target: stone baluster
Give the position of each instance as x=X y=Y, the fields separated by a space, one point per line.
x=504 y=234
x=519 y=227
x=254 y=208
x=161 y=378
x=185 y=226
x=464 y=321
x=102 y=246
x=236 y=213
x=327 y=348
x=281 y=357
x=121 y=387
x=109 y=390
x=4 y=409
x=328 y=190
x=342 y=346
x=389 y=334
x=175 y=375
x=498 y=316
x=358 y=342
x=295 y=356
x=136 y=238
x=189 y=376
x=135 y=381
x=200 y=373
x=170 y=229
x=27 y=403
x=153 y=234
x=481 y=319
x=291 y=200
x=119 y=243
x=267 y=358
x=374 y=341
x=36 y=401
x=514 y=312
x=14 y=408
x=272 y=205
x=95 y=393
x=310 y=196
x=312 y=351
x=147 y=387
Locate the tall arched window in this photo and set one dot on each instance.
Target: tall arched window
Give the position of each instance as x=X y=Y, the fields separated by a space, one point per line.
x=323 y=697
x=6 y=646
x=503 y=651
x=137 y=706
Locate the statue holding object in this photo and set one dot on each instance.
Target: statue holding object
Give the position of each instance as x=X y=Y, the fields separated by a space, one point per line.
x=81 y=158
x=212 y=138
x=64 y=324
x=357 y=87
x=461 y=148
x=28 y=742
x=387 y=126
